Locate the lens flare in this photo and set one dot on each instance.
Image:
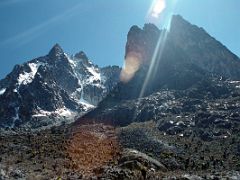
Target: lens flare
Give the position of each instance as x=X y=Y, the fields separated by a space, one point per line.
x=132 y=63
x=157 y=8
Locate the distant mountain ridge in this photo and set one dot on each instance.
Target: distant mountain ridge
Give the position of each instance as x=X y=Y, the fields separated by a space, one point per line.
x=53 y=89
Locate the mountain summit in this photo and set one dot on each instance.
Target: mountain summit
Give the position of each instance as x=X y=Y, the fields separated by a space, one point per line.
x=179 y=57
x=56 y=51
x=53 y=89
x=183 y=58
x=203 y=50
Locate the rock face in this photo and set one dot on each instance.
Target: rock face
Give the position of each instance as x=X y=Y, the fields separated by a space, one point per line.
x=203 y=50
x=53 y=89
x=185 y=58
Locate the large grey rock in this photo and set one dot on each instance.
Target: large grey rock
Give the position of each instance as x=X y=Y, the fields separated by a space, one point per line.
x=136 y=159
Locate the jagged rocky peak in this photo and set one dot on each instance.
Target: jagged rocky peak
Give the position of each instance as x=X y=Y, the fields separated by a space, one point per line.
x=134 y=31
x=81 y=55
x=203 y=50
x=141 y=42
x=178 y=20
x=52 y=89
x=150 y=28
x=186 y=56
x=181 y=29
x=56 y=51
x=183 y=41
x=147 y=28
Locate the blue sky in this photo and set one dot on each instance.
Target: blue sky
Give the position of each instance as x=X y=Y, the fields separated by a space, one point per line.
x=29 y=28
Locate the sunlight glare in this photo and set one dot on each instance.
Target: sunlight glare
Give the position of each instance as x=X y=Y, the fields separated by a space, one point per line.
x=157 y=8
x=132 y=63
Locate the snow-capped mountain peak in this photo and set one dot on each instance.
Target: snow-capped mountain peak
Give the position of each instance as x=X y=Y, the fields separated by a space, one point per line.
x=27 y=77
x=54 y=88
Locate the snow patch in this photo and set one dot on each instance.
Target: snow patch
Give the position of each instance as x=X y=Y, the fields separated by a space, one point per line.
x=72 y=63
x=42 y=113
x=16 y=117
x=78 y=98
x=93 y=77
x=96 y=76
x=64 y=112
x=234 y=82
x=2 y=91
x=27 y=77
x=86 y=104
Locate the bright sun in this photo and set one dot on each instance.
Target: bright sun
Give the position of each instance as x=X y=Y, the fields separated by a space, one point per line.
x=157 y=8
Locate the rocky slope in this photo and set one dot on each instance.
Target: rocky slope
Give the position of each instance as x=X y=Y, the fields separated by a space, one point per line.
x=52 y=89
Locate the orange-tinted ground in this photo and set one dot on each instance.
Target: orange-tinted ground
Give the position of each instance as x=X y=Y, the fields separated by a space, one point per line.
x=92 y=146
